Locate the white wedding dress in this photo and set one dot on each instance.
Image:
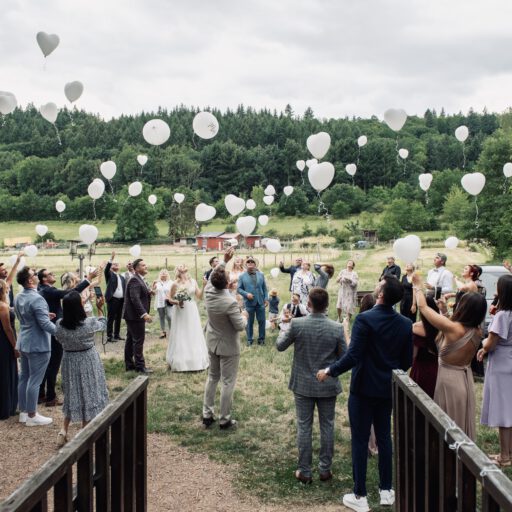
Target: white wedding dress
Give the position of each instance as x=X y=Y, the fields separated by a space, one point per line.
x=187 y=350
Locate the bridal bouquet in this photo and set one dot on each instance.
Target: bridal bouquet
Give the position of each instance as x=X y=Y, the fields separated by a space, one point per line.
x=181 y=296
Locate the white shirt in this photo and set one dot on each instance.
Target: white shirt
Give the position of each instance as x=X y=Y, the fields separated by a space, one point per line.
x=162 y=290
x=118 y=294
x=440 y=277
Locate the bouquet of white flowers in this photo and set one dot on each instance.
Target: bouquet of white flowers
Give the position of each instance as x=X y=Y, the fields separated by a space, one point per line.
x=181 y=296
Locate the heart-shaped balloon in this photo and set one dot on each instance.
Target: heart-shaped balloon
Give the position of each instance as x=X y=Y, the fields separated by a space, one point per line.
x=156 y=132
x=205 y=125
x=234 y=205
x=403 y=153
x=47 y=42
x=408 y=248
x=274 y=272
x=205 y=212
x=12 y=261
x=425 y=180
x=8 y=102
x=301 y=165
x=288 y=190
x=395 y=118
x=321 y=175
x=507 y=169
x=142 y=159
x=49 y=112
x=135 y=251
x=73 y=90
x=41 y=229
x=245 y=225
x=95 y=190
x=461 y=133
x=451 y=242
x=361 y=141
x=108 y=169
x=268 y=200
x=473 y=183
x=318 y=144
x=135 y=188
x=88 y=233
x=310 y=163
x=30 y=251
x=179 y=198
x=60 y=206
x=263 y=220
x=152 y=199
x=250 y=204
x=270 y=190
x=351 y=169
x=273 y=245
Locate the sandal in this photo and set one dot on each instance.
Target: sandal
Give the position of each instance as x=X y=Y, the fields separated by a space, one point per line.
x=62 y=438
x=499 y=461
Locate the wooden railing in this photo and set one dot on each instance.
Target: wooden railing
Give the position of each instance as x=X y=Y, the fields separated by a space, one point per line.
x=437 y=466
x=102 y=468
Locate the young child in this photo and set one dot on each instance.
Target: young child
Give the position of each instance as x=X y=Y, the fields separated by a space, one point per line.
x=273 y=308
x=293 y=309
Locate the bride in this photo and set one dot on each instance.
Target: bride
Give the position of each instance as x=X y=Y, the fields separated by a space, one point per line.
x=187 y=350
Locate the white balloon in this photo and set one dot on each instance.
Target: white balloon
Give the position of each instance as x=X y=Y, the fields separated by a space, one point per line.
x=311 y=162
x=461 y=133
x=425 y=180
x=135 y=188
x=47 y=42
x=274 y=272
x=60 y=206
x=351 y=169
x=30 y=251
x=8 y=102
x=88 y=233
x=263 y=220
x=268 y=200
x=204 y=212
x=318 y=144
x=250 y=204
x=49 y=112
x=321 y=175
x=301 y=165
x=395 y=118
x=73 y=90
x=408 y=248
x=156 y=132
x=108 y=169
x=245 y=225
x=12 y=261
x=451 y=242
x=41 y=229
x=205 y=125
x=152 y=199
x=95 y=190
x=273 y=245
x=233 y=242
x=135 y=251
x=142 y=159
x=270 y=190
x=361 y=141
x=234 y=205
x=179 y=197
x=288 y=190
x=404 y=153
x=507 y=169
x=473 y=183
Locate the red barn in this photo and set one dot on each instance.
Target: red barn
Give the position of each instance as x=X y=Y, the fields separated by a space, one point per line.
x=219 y=241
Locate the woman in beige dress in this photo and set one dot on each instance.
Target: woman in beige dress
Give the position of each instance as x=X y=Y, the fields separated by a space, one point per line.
x=457 y=344
x=234 y=274
x=347 y=293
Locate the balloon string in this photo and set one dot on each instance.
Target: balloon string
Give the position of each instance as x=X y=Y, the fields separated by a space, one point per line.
x=71 y=118
x=463 y=155
x=302 y=175
x=2 y=117
x=477 y=224
x=141 y=169
x=322 y=209
x=94 y=208
x=358 y=154
x=396 y=149
x=426 y=197
x=405 y=165
x=194 y=140
x=111 y=188
x=505 y=186
x=353 y=182
x=57 y=132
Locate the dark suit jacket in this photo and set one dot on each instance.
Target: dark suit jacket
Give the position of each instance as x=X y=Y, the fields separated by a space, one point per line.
x=394 y=270
x=381 y=341
x=137 y=299
x=111 y=280
x=53 y=296
x=290 y=270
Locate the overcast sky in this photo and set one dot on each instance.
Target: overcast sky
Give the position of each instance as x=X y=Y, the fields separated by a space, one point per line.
x=341 y=57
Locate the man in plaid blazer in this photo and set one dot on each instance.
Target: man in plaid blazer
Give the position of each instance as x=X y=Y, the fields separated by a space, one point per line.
x=318 y=342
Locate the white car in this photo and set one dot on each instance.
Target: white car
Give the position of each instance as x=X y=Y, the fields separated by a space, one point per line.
x=489 y=278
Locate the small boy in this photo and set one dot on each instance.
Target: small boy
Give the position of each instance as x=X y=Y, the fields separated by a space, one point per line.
x=273 y=308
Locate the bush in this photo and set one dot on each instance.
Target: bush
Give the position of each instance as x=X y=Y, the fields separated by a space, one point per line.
x=321 y=231
x=48 y=236
x=340 y=210
x=306 y=230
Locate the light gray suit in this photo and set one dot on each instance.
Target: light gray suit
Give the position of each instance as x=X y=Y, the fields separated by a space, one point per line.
x=225 y=322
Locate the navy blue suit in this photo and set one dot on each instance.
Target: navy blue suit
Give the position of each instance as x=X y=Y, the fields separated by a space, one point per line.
x=381 y=341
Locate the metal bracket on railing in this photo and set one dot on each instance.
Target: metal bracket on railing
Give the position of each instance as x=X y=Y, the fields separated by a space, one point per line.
x=451 y=426
x=411 y=384
x=455 y=446
x=489 y=469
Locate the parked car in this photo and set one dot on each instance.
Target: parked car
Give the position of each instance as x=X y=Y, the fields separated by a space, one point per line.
x=362 y=244
x=489 y=278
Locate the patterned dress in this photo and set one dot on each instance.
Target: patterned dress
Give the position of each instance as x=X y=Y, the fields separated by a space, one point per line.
x=347 y=294
x=83 y=377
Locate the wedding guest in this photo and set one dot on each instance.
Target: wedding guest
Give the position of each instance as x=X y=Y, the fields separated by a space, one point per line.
x=439 y=278
x=424 y=359
x=496 y=405
x=294 y=309
x=273 y=308
x=8 y=357
x=347 y=293
x=234 y=274
x=291 y=269
x=317 y=342
x=325 y=272
x=8 y=277
x=253 y=288
x=391 y=269
x=136 y=313
x=457 y=345
x=407 y=304
x=114 y=296
x=83 y=377
x=468 y=283
x=162 y=287
x=186 y=351
x=381 y=342
x=130 y=272
x=214 y=261
x=303 y=280
x=34 y=345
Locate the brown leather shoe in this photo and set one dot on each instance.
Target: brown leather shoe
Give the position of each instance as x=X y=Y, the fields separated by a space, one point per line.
x=325 y=475
x=302 y=478
x=53 y=403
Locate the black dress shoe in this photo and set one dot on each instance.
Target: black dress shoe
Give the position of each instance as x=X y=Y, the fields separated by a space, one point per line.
x=303 y=479
x=207 y=422
x=229 y=424
x=325 y=476
x=119 y=338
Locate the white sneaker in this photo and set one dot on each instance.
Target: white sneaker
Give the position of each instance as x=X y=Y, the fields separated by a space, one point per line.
x=23 y=417
x=358 y=504
x=387 y=497
x=38 y=420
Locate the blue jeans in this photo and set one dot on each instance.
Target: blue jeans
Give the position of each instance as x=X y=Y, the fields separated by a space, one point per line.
x=259 y=312
x=33 y=368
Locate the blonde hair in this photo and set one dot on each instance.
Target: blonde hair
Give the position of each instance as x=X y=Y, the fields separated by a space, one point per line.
x=239 y=265
x=68 y=280
x=163 y=272
x=178 y=271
